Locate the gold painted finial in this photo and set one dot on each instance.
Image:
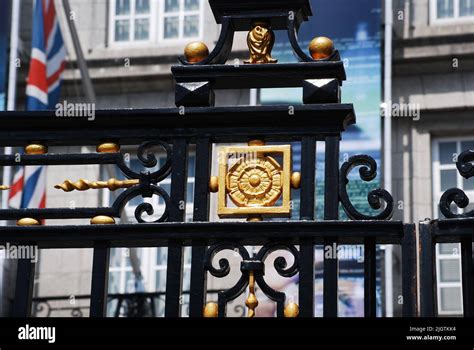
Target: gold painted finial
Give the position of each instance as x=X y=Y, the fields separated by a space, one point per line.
x=251 y=301
x=321 y=47
x=291 y=310
x=4 y=188
x=28 y=222
x=102 y=220
x=83 y=185
x=36 y=148
x=214 y=184
x=211 y=310
x=260 y=41
x=108 y=147
x=196 y=52
x=295 y=180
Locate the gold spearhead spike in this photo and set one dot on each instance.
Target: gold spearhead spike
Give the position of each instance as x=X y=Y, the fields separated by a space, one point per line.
x=84 y=185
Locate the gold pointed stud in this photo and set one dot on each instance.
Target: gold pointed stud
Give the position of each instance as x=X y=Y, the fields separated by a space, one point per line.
x=102 y=220
x=211 y=310
x=36 y=148
x=108 y=147
x=28 y=222
x=291 y=310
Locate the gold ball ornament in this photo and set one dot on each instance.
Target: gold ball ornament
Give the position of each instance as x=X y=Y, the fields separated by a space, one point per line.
x=196 y=52
x=291 y=310
x=214 y=184
x=321 y=47
x=28 y=222
x=211 y=310
x=102 y=220
x=295 y=180
x=108 y=147
x=36 y=148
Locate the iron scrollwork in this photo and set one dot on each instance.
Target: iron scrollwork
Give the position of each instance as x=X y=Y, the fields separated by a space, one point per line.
x=456 y=195
x=251 y=265
x=368 y=172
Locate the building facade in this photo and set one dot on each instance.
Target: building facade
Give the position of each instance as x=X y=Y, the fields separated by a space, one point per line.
x=432 y=72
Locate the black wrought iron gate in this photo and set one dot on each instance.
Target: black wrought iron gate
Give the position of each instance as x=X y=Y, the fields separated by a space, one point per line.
x=255 y=188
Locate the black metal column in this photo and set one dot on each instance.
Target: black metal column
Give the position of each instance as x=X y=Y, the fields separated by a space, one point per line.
x=174 y=271
x=201 y=213
x=25 y=275
x=331 y=212
x=307 y=204
x=100 y=279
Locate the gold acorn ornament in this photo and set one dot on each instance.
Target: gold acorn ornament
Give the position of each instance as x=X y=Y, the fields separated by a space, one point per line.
x=196 y=52
x=260 y=40
x=321 y=47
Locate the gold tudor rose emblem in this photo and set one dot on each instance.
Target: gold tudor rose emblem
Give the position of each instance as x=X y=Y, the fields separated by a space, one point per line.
x=254 y=181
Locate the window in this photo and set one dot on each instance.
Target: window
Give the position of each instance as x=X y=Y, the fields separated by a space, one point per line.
x=181 y=19
x=448 y=259
x=451 y=11
x=131 y=20
x=151 y=261
x=154 y=21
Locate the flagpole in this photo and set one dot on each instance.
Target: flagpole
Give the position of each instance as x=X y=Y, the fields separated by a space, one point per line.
x=12 y=75
x=86 y=79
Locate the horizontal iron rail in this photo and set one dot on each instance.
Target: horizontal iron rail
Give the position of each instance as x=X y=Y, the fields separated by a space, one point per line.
x=248 y=233
x=452 y=230
x=226 y=124
x=261 y=75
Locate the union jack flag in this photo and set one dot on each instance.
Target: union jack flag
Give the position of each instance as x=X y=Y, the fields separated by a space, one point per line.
x=47 y=63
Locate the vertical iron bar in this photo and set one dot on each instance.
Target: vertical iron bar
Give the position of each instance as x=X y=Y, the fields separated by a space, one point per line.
x=25 y=275
x=307 y=191
x=427 y=271
x=174 y=271
x=331 y=212
x=409 y=281
x=467 y=277
x=100 y=279
x=201 y=213
x=370 y=273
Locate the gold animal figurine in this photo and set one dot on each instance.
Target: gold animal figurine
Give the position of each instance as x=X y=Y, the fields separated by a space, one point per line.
x=260 y=41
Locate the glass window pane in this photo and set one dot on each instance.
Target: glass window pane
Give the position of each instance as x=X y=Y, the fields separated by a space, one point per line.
x=448 y=179
x=191 y=5
x=466 y=8
x=191 y=26
x=115 y=257
x=467 y=145
x=114 y=282
x=171 y=27
x=122 y=7
x=451 y=298
x=161 y=256
x=191 y=166
x=160 y=280
x=449 y=270
x=190 y=193
x=449 y=248
x=142 y=29
x=468 y=184
x=129 y=282
x=122 y=30
x=447 y=152
x=445 y=8
x=171 y=5
x=142 y=6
